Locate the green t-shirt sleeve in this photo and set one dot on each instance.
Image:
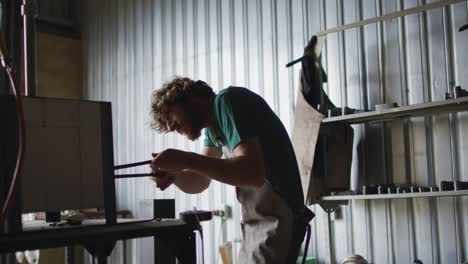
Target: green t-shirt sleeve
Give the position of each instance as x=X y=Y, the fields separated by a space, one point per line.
x=208 y=142
x=235 y=121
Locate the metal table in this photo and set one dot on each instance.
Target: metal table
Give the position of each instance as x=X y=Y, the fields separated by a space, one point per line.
x=99 y=239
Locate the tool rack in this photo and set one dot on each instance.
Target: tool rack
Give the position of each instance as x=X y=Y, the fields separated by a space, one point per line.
x=331 y=202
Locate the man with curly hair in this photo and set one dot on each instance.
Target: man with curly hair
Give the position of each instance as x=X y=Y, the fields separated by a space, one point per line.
x=258 y=160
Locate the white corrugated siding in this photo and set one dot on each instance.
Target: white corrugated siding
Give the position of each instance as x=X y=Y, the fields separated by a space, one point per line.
x=131 y=47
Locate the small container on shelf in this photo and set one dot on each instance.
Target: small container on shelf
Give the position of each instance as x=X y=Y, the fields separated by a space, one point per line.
x=447 y=185
x=461 y=185
x=370 y=189
x=404 y=189
x=424 y=189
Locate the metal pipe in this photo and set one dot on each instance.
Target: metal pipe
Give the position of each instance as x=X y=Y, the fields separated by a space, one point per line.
x=29 y=13
x=331 y=251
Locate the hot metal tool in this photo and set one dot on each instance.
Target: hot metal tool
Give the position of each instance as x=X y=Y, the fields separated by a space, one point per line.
x=134 y=175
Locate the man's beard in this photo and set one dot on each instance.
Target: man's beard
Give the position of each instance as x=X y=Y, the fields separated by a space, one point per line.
x=197 y=126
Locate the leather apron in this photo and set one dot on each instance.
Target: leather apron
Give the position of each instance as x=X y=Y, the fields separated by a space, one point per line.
x=272 y=233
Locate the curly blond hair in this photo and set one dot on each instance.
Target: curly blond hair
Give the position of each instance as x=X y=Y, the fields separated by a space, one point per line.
x=174 y=92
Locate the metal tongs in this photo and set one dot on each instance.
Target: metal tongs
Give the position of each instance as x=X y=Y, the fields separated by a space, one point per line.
x=131 y=165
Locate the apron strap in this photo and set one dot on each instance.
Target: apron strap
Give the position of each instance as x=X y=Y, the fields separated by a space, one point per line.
x=305 y=217
x=306 y=246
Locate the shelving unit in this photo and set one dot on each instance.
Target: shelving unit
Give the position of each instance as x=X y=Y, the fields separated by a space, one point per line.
x=331 y=202
x=393 y=195
x=424 y=109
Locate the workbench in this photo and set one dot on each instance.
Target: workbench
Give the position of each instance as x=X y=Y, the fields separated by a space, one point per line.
x=99 y=238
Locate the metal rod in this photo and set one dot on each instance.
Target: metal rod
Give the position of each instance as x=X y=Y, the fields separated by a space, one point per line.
x=129 y=165
x=29 y=13
x=135 y=175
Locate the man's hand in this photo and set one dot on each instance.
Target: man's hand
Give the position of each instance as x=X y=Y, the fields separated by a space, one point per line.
x=166 y=165
x=169 y=160
x=162 y=179
x=173 y=168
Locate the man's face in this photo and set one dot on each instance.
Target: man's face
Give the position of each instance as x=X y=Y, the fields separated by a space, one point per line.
x=185 y=120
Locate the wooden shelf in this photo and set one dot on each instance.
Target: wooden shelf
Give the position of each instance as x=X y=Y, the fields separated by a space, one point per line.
x=394 y=195
x=424 y=109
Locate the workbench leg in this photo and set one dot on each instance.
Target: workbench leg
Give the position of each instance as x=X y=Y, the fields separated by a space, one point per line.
x=186 y=254
x=162 y=254
x=70 y=254
x=163 y=208
x=182 y=245
x=101 y=250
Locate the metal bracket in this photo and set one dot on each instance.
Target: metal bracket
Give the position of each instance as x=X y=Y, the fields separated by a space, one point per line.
x=329 y=206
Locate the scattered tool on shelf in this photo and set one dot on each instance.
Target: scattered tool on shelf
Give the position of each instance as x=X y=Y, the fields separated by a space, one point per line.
x=391 y=189
x=379 y=189
x=385 y=188
x=459 y=92
x=370 y=189
x=461 y=185
x=424 y=189
x=447 y=185
x=453 y=185
x=455 y=91
x=404 y=189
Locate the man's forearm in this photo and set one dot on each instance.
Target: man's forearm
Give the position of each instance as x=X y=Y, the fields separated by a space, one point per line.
x=238 y=171
x=245 y=169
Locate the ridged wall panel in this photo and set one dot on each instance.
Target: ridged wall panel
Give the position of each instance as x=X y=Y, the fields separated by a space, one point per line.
x=132 y=47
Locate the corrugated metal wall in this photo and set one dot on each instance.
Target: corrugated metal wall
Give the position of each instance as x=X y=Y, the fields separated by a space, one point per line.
x=131 y=47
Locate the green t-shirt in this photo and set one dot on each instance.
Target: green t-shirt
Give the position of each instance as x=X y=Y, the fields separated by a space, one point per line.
x=241 y=114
